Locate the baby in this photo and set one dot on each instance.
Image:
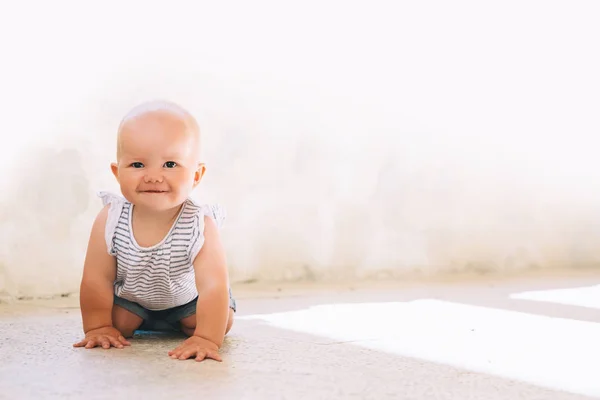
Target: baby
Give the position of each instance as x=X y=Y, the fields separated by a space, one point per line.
x=154 y=258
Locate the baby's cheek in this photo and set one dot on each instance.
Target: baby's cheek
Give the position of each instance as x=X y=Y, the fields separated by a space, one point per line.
x=187 y=178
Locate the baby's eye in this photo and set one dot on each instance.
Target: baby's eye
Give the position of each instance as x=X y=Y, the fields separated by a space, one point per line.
x=137 y=165
x=170 y=164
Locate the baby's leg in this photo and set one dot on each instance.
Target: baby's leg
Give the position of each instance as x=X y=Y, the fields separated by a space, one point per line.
x=188 y=324
x=125 y=321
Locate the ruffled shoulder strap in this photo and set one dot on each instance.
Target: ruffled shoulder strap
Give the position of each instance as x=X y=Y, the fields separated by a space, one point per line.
x=114 y=213
x=214 y=211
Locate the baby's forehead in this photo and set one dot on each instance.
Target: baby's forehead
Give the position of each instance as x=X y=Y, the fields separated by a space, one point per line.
x=147 y=147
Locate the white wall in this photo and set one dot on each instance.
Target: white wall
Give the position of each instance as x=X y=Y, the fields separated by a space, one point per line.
x=364 y=140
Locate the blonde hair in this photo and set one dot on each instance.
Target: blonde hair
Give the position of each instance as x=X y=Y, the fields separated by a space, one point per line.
x=159 y=106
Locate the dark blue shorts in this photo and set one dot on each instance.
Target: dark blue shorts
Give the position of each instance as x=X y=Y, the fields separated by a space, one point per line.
x=164 y=320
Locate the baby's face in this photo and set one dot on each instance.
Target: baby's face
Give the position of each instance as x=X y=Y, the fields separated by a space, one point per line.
x=157 y=166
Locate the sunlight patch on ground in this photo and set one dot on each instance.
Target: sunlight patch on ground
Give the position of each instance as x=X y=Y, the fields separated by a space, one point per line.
x=555 y=353
x=582 y=296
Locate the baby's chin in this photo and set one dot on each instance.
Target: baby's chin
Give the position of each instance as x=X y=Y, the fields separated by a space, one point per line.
x=156 y=200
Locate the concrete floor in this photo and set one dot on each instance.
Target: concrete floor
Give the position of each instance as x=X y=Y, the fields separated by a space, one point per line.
x=266 y=356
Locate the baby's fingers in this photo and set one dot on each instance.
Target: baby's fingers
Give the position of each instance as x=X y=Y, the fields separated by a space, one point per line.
x=103 y=341
x=81 y=344
x=186 y=354
x=115 y=342
x=124 y=341
x=205 y=354
x=106 y=341
x=212 y=354
x=176 y=352
x=201 y=355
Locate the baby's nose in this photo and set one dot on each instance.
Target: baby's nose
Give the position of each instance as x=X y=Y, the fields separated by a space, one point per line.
x=153 y=177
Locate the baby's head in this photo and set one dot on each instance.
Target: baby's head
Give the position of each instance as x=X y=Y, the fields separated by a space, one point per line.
x=158 y=155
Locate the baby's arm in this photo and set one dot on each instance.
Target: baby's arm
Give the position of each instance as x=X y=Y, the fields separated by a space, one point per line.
x=212 y=282
x=212 y=310
x=96 y=291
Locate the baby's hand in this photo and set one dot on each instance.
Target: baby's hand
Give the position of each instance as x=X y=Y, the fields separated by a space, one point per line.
x=198 y=347
x=104 y=337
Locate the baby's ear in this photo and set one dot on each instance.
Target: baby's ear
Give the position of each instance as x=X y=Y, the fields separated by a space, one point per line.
x=199 y=173
x=114 y=167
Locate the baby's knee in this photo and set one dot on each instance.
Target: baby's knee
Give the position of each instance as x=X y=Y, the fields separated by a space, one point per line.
x=188 y=323
x=229 y=321
x=125 y=321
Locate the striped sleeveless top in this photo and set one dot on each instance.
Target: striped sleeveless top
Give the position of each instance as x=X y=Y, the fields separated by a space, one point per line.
x=161 y=276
